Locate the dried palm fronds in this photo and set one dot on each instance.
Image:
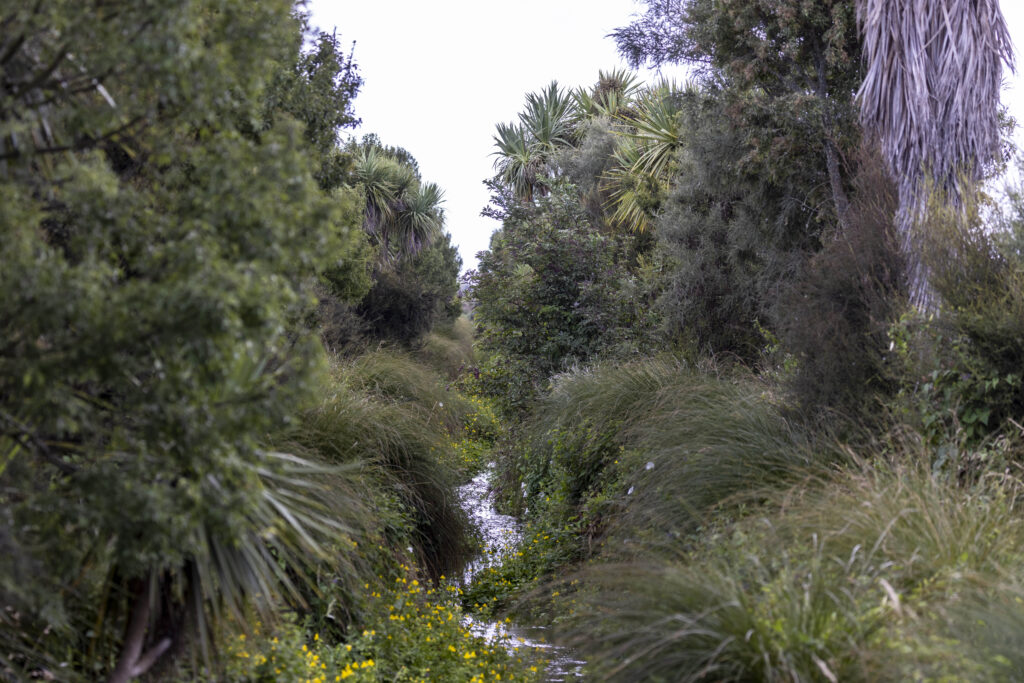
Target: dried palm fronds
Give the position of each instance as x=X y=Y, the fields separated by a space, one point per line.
x=931 y=94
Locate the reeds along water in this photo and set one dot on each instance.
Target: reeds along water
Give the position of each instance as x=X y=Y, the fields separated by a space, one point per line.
x=391 y=416
x=742 y=547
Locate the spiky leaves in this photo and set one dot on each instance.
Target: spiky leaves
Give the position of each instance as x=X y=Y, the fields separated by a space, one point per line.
x=633 y=194
x=611 y=96
x=652 y=134
x=518 y=164
x=422 y=218
x=526 y=152
x=547 y=119
x=931 y=94
x=402 y=214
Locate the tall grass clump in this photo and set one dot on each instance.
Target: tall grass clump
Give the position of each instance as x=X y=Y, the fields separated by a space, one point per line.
x=586 y=420
x=448 y=349
x=718 y=447
x=387 y=416
x=398 y=378
x=631 y=458
x=672 y=438
x=879 y=574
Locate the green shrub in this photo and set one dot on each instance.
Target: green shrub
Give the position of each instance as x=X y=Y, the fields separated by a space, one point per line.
x=552 y=291
x=407 y=300
x=963 y=364
x=835 y=319
x=867 y=576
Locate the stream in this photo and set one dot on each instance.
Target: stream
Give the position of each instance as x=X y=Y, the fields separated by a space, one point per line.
x=501 y=535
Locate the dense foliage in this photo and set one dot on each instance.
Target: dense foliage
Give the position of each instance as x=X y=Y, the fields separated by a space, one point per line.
x=813 y=479
x=237 y=394
x=551 y=292
x=173 y=205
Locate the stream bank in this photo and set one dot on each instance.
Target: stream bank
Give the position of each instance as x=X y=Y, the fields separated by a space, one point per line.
x=501 y=535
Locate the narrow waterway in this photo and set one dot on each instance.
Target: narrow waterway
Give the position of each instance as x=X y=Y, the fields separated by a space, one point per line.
x=501 y=535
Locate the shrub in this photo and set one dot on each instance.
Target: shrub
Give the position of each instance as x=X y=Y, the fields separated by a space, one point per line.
x=406 y=301
x=964 y=361
x=865 y=576
x=551 y=291
x=835 y=319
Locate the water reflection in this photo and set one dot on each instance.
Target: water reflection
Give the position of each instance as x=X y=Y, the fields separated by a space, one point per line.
x=501 y=535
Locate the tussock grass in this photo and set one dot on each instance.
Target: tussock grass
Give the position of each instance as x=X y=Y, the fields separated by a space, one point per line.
x=449 y=349
x=883 y=574
x=396 y=377
x=579 y=429
x=383 y=413
x=711 y=444
x=680 y=442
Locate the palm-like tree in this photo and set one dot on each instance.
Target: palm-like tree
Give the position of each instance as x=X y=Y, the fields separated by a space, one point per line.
x=421 y=219
x=402 y=214
x=527 y=151
x=519 y=165
x=658 y=127
x=652 y=132
x=633 y=194
x=610 y=97
x=931 y=95
x=547 y=118
x=375 y=173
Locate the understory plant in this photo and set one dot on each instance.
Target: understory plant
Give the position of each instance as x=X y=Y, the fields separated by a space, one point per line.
x=872 y=574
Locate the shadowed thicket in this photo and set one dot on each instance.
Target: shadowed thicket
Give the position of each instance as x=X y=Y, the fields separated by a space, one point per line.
x=835 y=319
x=449 y=348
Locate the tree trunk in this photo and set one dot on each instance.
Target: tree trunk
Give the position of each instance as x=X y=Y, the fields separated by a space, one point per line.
x=835 y=179
x=133 y=661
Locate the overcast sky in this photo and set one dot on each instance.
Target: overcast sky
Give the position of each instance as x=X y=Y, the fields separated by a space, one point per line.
x=439 y=75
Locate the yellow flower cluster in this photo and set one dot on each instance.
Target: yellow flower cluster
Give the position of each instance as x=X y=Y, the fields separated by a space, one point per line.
x=423 y=627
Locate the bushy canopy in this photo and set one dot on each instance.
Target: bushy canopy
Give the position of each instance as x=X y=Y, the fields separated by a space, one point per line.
x=158 y=233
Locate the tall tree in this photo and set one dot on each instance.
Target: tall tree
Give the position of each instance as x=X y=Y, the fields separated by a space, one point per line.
x=155 y=251
x=795 y=61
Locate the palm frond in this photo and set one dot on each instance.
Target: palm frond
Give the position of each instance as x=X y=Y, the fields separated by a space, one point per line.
x=547 y=118
x=518 y=164
x=421 y=219
x=374 y=173
x=931 y=95
x=611 y=96
x=633 y=193
x=659 y=128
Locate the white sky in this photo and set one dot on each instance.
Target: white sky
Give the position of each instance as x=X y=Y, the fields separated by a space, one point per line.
x=438 y=75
